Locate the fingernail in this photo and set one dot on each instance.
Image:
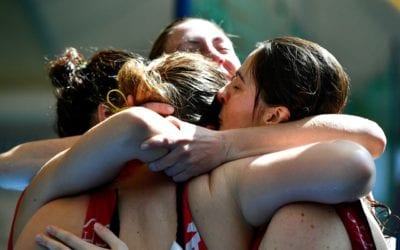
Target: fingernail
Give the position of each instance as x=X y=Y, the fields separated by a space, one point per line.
x=171 y=109
x=97 y=226
x=50 y=229
x=39 y=239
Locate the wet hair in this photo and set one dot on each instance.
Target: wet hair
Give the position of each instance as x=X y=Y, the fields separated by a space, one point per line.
x=80 y=86
x=187 y=81
x=159 y=44
x=300 y=75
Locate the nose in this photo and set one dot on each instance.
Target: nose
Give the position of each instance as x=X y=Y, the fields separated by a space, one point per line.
x=222 y=95
x=216 y=57
x=211 y=52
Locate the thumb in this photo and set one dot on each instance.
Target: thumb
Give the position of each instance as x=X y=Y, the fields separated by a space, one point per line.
x=160 y=108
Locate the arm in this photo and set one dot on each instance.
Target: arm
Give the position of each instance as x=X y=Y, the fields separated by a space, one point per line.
x=97 y=157
x=19 y=164
x=61 y=239
x=193 y=152
x=326 y=172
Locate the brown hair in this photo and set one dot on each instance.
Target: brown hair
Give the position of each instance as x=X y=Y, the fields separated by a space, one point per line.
x=80 y=86
x=187 y=81
x=300 y=75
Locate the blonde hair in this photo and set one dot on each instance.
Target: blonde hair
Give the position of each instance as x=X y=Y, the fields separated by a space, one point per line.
x=187 y=81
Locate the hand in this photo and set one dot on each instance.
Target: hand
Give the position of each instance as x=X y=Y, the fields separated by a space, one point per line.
x=193 y=151
x=61 y=239
x=160 y=108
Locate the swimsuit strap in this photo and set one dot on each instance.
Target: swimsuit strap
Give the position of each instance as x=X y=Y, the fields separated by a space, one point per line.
x=102 y=208
x=356 y=224
x=179 y=210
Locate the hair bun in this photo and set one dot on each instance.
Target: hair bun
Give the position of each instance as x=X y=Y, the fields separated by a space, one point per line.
x=64 y=71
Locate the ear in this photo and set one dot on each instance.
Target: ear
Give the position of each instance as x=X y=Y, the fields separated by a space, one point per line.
x=103 y=111
x=276 y=115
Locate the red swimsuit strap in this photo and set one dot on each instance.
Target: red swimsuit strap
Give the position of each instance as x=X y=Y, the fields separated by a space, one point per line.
x=101 y=208
x=356 y=224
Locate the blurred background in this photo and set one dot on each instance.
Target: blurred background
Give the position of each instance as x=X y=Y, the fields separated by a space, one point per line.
x=364 y=35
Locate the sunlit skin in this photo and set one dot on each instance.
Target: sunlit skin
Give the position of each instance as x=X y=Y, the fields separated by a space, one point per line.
x=238 y=100
x=203 y=37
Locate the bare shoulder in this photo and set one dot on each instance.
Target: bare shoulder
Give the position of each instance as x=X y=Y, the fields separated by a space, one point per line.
x=58 y=212
x=310 y=226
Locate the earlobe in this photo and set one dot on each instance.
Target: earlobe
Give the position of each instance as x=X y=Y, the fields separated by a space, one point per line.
x=276 y=115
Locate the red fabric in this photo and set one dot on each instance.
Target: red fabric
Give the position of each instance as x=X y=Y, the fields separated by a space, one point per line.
x=10 y=245
x=101 y=208
x=192 y=239
x=354 y=220
x=356 y=225
x=258 y=237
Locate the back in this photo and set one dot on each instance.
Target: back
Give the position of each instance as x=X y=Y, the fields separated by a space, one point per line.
x=146 y=206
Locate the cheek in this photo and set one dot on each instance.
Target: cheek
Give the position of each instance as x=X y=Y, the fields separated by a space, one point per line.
x=241 y=114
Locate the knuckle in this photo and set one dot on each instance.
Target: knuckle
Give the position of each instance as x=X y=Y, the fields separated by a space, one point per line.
x=67 y=239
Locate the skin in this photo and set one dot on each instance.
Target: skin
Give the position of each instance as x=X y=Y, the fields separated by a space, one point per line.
x=198 y=35
x=228 y=190
x=234 y=188
x=23 y=161
x=237 y=99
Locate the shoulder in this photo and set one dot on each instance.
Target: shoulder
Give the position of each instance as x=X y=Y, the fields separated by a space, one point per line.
x=311 y=226
x=58 y=212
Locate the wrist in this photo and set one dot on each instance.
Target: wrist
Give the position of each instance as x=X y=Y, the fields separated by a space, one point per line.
x=225 y=140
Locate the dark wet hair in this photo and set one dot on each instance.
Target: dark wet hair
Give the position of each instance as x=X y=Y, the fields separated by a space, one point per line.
x=300 y=75
x=80 y=86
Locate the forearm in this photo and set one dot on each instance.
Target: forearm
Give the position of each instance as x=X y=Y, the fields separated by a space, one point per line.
x=273 y=138
x=329 y=172
x=97 y=157
x=19 y=164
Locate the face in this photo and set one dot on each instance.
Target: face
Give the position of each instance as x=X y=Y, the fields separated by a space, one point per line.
x=238 y=100
x=204 y=37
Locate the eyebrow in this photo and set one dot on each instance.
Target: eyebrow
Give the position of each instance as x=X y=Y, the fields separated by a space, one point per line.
x=239 y=74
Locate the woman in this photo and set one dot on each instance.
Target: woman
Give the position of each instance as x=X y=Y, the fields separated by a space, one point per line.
x=78 y=108
x=19 y=164
x=240 y=187
x=198 y=35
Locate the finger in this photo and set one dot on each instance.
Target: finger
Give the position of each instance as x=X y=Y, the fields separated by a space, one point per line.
x=174 y=157
x=69 y=239
x=49 y=243
x=174 y=170
x=161 y=108
x=186 y=173
x=182 y=176
x=159 y=141
x=109 y=237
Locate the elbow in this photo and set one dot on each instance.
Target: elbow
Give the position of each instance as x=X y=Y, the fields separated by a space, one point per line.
x=361 y=170
x=378 y=143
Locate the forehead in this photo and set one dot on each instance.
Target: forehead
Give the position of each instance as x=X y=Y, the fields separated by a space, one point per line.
x=248 y=63
x=198 y=28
